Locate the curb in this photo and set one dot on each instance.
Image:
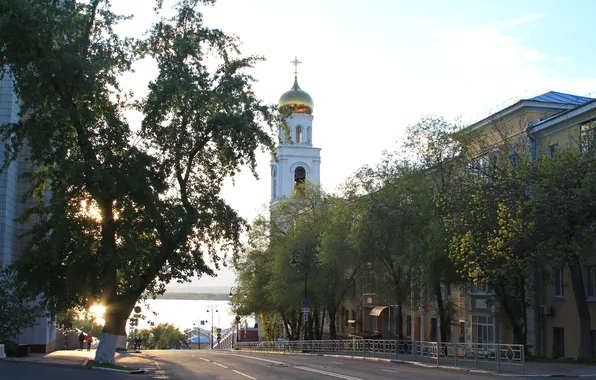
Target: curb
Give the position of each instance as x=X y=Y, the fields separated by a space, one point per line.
x=136 y=371
x=419 y=364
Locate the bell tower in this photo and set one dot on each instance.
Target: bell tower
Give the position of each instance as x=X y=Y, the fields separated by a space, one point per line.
x=298 y=161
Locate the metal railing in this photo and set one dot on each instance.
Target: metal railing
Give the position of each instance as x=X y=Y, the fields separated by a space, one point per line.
x=473 y=355
x=227 y=340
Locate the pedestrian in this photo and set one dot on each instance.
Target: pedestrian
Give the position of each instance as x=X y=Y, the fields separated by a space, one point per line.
x=89 y=341
x=81 y=340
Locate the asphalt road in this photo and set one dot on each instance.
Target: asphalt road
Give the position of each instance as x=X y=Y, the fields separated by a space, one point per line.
x=33 y=371
x=220 y=365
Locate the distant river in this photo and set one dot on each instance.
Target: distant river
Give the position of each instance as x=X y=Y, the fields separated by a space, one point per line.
x=187 y=313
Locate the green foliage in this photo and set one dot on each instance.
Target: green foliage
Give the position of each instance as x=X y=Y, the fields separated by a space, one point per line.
x=17 y=310
x=159 y=337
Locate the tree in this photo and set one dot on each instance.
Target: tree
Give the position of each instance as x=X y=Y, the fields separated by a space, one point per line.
x=494 y=240
x=17 y=310
x=130 y=209
x=564 y=195
x=166 y=335
x=382 y=231
x=437 y=161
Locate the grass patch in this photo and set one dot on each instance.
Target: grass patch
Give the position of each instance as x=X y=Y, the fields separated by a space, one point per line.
x=93 y=363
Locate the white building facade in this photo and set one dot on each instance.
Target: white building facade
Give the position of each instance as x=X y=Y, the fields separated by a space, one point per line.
x=41 y=337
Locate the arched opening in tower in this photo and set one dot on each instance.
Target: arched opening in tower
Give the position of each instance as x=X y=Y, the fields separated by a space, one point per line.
x=299 y=177
x=298 y=134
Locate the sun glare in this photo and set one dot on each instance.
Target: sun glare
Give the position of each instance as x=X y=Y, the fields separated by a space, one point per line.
x=97 y=311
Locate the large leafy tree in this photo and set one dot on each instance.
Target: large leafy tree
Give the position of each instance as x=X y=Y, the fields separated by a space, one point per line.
x=494 y=241
x=437 y=159
x=564 y=193
x=130 y=208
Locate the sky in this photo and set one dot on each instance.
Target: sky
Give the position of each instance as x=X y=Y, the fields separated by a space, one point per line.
x=373 y=67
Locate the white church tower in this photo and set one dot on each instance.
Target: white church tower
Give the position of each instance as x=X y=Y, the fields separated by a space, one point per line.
x=298 y=161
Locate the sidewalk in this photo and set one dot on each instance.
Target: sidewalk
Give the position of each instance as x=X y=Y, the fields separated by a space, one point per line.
x=80 y=358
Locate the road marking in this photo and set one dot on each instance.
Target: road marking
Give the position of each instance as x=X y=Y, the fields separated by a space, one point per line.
x=333 y=374
x=389 y=370
x=243 y=374
x=221 y=365
x=261 y=359
x=207 y=360
x=337 y=362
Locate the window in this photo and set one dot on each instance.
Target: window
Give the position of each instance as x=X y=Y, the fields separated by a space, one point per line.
x=346 y=318
x=591 y=281
x=433 y=329
x=558 y=282
x=409 y=326
x=447 y=290
x=483 y=329
x=480 y=289
x=514 y=158
x=298 y=134
x=552 y=150
x=462 y=331
x=558 y=342
x=274 y=182
x=587 y=136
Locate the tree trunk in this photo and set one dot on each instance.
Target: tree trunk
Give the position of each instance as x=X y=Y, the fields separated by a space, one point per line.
x=583 y=312
x=115 y=328
x=322 y=325
x=442 y=319
x=316 y=322
x=400 y=321
x=332 y=327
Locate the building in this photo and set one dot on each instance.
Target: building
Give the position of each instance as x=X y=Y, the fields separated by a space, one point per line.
x=540 y=125
x=297 y=160
x=41 y=337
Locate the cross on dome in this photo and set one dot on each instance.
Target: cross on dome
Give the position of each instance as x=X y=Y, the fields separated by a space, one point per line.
x=295 y=62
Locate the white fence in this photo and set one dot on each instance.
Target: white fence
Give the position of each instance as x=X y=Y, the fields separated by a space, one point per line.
x=475 y=355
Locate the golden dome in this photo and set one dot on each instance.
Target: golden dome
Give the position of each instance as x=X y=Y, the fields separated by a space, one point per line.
x=297 y=99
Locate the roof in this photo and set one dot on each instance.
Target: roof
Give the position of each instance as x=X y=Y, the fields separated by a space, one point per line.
x=562 y=116
x=559 y=97
x=552 y=100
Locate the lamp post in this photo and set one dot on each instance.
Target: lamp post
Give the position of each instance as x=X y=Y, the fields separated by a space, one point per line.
x=233 y=290
x=294 y=262
x=212 y=309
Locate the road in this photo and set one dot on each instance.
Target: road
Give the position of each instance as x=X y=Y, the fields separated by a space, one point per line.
x=34 y=371
x=230 y=365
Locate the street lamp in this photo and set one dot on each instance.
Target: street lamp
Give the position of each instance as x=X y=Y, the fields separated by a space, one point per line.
x=294 y=262
x=233 y=291
x=212 y=309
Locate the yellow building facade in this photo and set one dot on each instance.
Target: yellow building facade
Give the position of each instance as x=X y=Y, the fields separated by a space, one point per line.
x=541 y=125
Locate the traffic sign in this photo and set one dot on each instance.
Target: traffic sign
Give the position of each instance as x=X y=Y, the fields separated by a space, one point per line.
x=219 y=330
x=305 y=310
x=305 y=302
x=305 y=317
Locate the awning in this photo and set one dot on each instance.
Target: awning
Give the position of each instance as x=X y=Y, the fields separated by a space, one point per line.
x=377 y=310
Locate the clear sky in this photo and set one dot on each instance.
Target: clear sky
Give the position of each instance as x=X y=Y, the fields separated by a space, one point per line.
x=373 y=67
